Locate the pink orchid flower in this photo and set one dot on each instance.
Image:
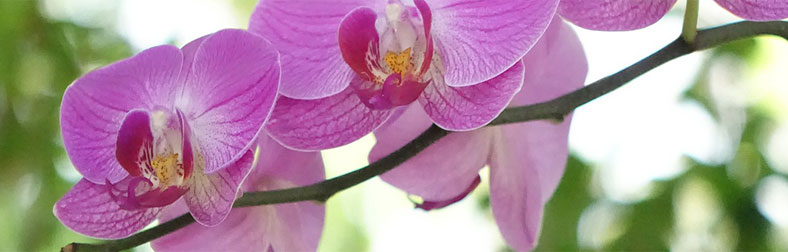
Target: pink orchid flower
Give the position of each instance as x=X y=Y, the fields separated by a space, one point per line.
x=348 y=65
x=281 y=227
x=526 y=160
x=623 y=15
x=164 y=125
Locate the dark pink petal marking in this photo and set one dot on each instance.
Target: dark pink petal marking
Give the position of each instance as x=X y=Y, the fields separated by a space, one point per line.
x=129 y=200
x=135 y=143
x=128 y=197
x=89 y=209
x=371 y=93
x=134 y=152
x=359 y=40
x=400 y=92
x=159 y=198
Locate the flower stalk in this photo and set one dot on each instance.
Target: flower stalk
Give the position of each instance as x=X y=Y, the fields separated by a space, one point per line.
x=690 y=28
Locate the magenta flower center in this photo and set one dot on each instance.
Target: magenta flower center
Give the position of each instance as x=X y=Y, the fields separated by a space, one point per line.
x=157 y=152
x=391 y=53
x=162 y=162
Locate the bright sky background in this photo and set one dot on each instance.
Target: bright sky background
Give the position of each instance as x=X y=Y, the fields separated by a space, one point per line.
x=633 y=136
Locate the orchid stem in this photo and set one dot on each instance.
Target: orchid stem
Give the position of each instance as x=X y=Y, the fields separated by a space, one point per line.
x=555 y=109
x=690 y=28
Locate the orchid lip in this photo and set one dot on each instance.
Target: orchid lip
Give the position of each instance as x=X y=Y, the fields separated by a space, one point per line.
x=155 y=148
x=129 y=198
x=394 y=58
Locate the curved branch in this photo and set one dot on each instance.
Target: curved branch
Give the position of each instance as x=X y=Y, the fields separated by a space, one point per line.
x=555 y=109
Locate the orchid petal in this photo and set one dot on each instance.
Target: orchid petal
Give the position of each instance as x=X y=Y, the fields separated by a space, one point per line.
x=432 y=174
x=479 y=40
x=187 y=150
x=173 y=211
x=89 y=209
x=431 y=205
x=211 y=196
x=230 y=93
x=94 y=106
x=323 y=123
x=276 y=161
x=241 y=231
x=528 y=159
x=614 y=15
x=292 y=226
x=135 y=142
x=471 y=107
x=555 y=66
x=515 y=193
x=305 y=32
x=189 y=51
x=357 y=36
x=527 y=162
x=757 y=10
x=125 y=193
x=282 y=227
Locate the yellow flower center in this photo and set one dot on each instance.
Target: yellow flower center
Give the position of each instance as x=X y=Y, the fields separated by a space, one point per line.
x=166 y=168
x=398 y=62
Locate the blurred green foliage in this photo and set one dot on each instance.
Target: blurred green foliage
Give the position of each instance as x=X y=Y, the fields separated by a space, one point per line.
x=38 y=59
